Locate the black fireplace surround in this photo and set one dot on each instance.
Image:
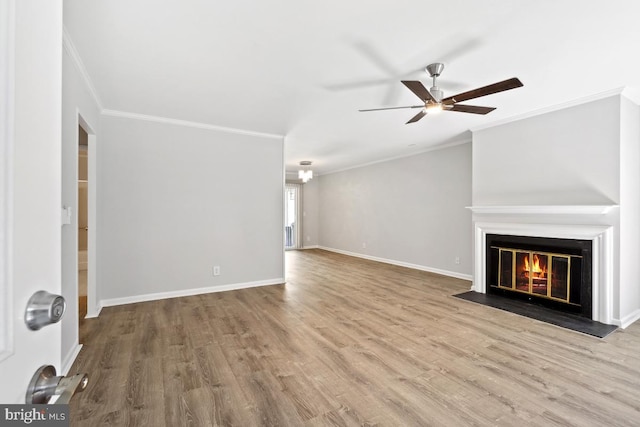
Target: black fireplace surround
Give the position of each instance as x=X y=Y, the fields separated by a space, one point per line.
x=561 y=261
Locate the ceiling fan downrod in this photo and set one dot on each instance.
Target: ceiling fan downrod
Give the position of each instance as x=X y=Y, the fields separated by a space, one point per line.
x=434 y=71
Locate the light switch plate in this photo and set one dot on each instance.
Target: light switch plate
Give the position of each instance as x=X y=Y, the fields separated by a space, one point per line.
x=66 y=215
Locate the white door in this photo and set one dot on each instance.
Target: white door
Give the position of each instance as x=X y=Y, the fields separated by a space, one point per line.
x=30 y=188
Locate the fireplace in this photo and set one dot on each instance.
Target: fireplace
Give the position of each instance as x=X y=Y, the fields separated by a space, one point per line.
x=552 y=272
x=573 y=225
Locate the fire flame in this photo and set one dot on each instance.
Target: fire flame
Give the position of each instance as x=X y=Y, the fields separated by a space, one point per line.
x=536 y=270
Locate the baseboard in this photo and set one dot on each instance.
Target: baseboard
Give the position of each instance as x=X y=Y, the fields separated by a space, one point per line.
x=402 y=264
x=188 y=292
x=93 y=314
x=310 y=247
x=628 y=319
x=71 y=357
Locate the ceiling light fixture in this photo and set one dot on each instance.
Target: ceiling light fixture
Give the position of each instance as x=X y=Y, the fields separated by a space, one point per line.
x=305 y=175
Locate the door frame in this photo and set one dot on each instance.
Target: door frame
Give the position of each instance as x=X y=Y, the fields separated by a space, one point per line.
x=297 y=232
x=6 y=172
x=92 y=306
x=71 y=329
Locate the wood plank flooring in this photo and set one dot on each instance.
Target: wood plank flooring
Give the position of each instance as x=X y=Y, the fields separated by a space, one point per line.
x=349 y=342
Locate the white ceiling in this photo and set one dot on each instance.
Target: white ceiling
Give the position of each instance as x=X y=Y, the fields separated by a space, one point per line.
x=302 y=69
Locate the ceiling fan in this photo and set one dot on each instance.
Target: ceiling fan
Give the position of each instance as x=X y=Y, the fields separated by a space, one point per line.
x=433 y=100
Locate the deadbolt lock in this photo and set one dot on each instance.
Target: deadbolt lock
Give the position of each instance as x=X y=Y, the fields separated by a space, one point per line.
x=44 y=309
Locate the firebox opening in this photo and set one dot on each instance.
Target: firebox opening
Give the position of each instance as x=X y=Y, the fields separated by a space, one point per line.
x=552 y=272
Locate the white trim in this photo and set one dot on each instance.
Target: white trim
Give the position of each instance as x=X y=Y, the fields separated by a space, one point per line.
x=632 y=94
x=389 y=159
x=92 y=314
x=70 y=358
x=282 y=212
x=401 y=263
x=628 y=319
x=177 y=122
x=92 y=217
x=189 y=292
x=70 y=47
x=7 y=34
x=602 y=255
x=544 y=210
x=551 y=108
x=310 y=247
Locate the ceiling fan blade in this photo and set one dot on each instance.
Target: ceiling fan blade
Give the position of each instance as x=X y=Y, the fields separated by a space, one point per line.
x=391 y=108
x=417 y=117
x=471 y=109
x=419 y=89
x=485 y=90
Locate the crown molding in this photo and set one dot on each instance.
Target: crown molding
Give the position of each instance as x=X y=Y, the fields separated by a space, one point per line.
x=403 y=156
x=552 y=108
x=70 y=47
x=544 y=210
x=186 y=123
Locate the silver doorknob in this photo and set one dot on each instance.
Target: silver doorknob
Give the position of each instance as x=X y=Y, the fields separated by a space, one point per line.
x=45 y=384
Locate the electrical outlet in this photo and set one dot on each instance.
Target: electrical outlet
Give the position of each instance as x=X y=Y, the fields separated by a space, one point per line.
x=308 y=238
x=457 y=260
x=364 y=245
x=216 y=270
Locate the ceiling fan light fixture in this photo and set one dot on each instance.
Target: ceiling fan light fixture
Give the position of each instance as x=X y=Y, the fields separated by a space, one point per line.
x=433 y=108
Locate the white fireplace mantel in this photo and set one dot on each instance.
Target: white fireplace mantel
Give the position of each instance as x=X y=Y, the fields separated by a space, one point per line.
x=544 y=210
x=602 y=247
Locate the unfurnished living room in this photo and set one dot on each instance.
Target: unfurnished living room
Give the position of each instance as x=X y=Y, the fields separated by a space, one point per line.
x=408 y=213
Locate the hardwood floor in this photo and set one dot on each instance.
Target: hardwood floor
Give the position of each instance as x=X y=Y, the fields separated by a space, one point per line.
x=349 y=342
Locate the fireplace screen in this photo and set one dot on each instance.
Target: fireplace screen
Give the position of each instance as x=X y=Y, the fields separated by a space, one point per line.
x=552 y=272
x=543 y=274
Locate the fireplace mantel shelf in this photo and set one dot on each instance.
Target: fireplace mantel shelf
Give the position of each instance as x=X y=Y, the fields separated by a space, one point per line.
x=545 y=209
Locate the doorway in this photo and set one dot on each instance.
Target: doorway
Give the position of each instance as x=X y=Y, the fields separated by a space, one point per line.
x=291 y=216
x=83 y=220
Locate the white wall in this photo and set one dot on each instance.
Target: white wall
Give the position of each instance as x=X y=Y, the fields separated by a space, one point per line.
x=172 y=205
x=310 y=213
x=76 y=100
x=409 y=210
x=566 y=157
